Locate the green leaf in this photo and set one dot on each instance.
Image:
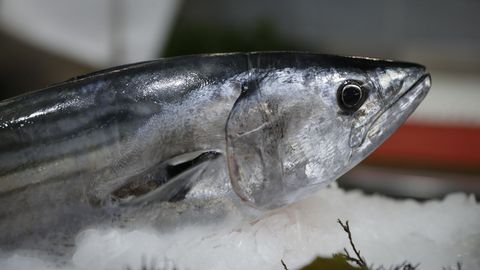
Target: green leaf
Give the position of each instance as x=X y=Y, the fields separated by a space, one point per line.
x=337 y=262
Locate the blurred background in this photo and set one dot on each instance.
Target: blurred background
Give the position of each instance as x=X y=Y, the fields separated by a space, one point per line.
x=437 y=152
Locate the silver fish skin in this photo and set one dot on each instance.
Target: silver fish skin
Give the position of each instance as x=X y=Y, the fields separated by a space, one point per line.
x=189 y=140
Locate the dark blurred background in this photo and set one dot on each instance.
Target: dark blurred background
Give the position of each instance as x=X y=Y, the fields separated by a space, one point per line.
x=438 y=151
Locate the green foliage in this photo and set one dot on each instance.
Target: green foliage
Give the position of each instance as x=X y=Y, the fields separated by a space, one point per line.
x=337 y=262
x=190 y=38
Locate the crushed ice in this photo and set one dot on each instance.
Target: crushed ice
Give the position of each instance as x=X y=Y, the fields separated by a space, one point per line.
x=435 y=234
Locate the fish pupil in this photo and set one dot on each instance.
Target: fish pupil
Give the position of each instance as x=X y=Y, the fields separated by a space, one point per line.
x=351 y=96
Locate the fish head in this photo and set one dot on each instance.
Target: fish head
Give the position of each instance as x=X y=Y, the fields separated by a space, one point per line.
x=304 y=120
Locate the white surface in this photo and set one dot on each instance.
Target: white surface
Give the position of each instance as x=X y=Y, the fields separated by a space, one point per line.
x=435 y=234
x=96 y=32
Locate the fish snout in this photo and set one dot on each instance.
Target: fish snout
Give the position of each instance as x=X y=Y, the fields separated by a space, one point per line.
x=397 y=111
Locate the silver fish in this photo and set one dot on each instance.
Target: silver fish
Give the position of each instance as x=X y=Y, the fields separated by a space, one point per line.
x=189 y=140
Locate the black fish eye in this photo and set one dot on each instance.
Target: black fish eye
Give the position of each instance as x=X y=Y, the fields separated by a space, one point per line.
x=351 y=95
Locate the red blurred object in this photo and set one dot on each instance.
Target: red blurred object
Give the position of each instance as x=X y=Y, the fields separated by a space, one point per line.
x=439 y=146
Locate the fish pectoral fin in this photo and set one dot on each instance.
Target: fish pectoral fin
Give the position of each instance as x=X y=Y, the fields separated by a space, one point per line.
x=170 y=181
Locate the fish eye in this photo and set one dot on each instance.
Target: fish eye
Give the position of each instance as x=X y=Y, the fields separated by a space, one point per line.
x=351 y=95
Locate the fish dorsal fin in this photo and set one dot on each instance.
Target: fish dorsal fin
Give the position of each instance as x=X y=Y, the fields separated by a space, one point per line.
x=169 y=181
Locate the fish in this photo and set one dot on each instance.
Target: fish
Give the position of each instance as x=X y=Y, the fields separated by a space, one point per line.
x=189 y=140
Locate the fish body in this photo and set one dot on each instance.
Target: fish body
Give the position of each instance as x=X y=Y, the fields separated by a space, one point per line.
x=189 y=140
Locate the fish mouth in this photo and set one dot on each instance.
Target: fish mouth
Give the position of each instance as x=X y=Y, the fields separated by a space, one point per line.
x=396 y=113
x=421 y=85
